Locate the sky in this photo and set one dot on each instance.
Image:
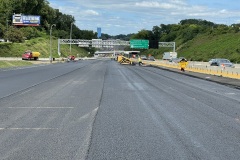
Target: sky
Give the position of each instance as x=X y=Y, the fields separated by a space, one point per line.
x=116 y=17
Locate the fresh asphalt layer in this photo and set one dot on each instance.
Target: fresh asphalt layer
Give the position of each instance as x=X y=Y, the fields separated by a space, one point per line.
x=214 y=78
x=100 y=109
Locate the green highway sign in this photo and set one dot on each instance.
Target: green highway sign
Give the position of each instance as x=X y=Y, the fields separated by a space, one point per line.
x=139 y=43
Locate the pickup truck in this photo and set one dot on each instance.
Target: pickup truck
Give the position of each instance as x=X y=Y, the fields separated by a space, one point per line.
x=28 y=55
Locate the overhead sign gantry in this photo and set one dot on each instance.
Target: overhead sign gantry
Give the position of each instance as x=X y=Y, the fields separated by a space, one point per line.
x=167 y=44
x=97 y=43
x=139 y=43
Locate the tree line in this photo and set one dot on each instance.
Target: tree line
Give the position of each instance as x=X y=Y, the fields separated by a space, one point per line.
x=182 y=32
x=48 y=15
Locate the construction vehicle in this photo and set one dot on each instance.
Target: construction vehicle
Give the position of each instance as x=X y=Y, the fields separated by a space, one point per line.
x=124 y=60
x=28 y=55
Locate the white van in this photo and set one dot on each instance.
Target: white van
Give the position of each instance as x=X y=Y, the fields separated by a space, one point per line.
x=169 y=55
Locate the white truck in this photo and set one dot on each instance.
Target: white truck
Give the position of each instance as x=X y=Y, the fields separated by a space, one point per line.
x=169 y=55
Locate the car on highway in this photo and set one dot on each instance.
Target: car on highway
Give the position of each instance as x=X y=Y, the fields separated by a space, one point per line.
x=222 y=62
x=151 y=58
x=174 y=60
x=211 y=61
x=143 y=57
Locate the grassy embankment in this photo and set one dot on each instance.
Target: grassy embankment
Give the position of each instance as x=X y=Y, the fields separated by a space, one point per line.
x=205 y=47
x=41 y=45
x=8 y=64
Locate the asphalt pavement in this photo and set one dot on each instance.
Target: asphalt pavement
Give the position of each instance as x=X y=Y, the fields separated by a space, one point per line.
x=231 y=82
x=148 y=113
x=99 y=109
x=47 y=112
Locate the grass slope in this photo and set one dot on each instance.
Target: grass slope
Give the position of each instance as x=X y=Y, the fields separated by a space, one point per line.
x=205 y=47
x=8 y=64
x=41 y=45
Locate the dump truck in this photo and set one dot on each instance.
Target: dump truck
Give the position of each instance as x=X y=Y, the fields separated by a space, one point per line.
x=28 y=55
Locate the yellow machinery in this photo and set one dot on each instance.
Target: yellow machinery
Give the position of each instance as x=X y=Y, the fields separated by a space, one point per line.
x=124 y=60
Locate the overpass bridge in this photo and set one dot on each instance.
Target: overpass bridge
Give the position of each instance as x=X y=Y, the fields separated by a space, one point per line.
x=96 y=43
x=112 y=44
x=115 y=52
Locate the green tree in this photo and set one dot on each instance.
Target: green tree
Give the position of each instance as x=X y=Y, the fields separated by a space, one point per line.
x=30 y=32
x=156 y=32
x=14 y=35
x=86 y=34
x=197 y=22
x=5 y=15
x=28 y=7
x=61 y=34
x=143 y=34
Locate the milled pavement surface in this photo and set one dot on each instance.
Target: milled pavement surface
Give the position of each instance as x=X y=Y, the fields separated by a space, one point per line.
x=235 y=83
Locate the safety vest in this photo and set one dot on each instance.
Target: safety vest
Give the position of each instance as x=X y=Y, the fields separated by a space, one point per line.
x=139 y=59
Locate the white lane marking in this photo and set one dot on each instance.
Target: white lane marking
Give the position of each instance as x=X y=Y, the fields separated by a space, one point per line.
x=24 y=92
x=230 y=93
x=136 y=86
x=28 y=128
x=42 y=107
x=88 y=114
x=139 y=86
x=237 y=119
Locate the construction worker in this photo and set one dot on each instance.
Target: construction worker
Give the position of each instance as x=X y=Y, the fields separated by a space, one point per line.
x=140 y=61
x=183 y=63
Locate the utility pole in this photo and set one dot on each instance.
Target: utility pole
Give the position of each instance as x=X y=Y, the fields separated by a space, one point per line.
x=71 y=39
x=51 y=42
x=7 y=29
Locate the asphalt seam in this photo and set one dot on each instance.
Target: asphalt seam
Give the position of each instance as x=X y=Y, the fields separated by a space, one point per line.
x=94 y=121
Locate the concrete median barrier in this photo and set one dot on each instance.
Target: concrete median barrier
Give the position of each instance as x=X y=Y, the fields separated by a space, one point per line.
x=200 y=67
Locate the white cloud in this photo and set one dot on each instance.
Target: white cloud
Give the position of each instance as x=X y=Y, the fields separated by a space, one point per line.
x=155 y=5
x=224 y=11
x=126 y=16
x=91 y=12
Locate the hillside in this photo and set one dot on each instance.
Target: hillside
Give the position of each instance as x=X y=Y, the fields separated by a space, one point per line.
x=41 y=45
x=201 y=48
x=204 y=47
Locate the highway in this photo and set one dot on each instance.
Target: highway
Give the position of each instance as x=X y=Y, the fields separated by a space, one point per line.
x=99 y=109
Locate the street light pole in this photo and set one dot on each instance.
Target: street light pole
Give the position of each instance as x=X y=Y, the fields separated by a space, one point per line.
x=51 y=42
x=71 y=39
x=7 y=29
